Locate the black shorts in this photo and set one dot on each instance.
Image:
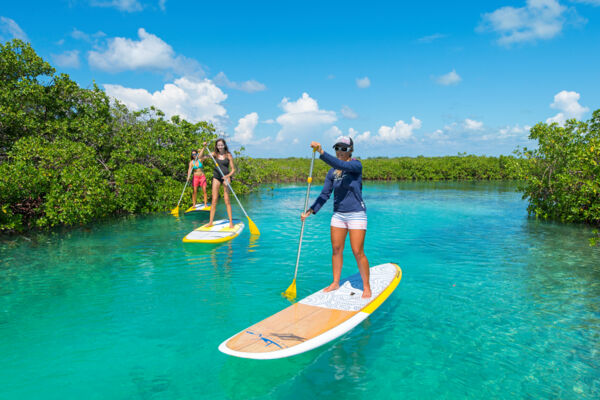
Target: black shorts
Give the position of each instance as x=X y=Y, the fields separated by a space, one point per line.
x=220 y=179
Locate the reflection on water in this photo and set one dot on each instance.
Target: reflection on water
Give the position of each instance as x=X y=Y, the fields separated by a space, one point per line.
x=492 y=303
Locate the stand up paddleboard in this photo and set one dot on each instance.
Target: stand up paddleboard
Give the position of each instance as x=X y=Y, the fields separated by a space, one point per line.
x=316 y=319
x=197 y=208
x=219 y=232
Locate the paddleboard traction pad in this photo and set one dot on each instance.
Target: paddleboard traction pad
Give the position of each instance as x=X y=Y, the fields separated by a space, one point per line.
x=349 y=296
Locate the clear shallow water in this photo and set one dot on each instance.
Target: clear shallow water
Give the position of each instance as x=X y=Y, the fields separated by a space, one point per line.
x=492 y=304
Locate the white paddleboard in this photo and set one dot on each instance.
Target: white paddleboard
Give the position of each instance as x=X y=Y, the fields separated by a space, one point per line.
x=316 y=319
x=197 y=208
x=217 y=233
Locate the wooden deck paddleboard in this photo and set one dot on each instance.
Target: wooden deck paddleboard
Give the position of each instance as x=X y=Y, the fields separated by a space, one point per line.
x=218 y=233
x=198 y=208
x=316 y=319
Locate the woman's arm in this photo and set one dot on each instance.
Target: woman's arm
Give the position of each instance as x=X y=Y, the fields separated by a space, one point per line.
x=230 y=174
x=190 y=167
x=348 y=166
x=325 y=193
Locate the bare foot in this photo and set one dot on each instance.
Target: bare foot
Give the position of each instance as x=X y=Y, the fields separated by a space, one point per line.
x=209 y=225
x=366 y=293
x=231 y=225
x=332 y=287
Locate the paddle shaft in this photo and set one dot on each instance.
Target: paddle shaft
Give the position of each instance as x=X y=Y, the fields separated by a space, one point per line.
x=312 y=162
x=183 y=191
x=227 y=183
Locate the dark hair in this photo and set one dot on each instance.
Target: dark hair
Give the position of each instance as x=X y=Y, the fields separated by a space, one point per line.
x=224 y=143
x=192 y=154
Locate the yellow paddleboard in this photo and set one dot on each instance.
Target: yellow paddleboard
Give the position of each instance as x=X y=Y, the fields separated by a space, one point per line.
x=316 y=319
x=217 y=233
x=197 y=208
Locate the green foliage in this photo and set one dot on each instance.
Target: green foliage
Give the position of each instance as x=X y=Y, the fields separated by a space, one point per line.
x=459 y=167
x=561 y=179
x=70 y=155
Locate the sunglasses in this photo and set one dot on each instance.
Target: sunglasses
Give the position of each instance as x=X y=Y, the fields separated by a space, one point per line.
x=341 y=148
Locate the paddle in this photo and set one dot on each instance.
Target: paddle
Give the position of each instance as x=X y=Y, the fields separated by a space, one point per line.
x=253 y=228
x=290 y=293
x=175 y=211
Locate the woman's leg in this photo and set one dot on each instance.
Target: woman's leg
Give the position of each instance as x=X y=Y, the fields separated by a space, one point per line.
x=357 y=242
x=228 y=204
x=194 y=196
x=204 y=191
x=215 y=198
x=338 y=238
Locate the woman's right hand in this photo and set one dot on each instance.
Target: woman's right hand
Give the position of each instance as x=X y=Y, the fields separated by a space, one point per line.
x=305 y=215
x=316 y=146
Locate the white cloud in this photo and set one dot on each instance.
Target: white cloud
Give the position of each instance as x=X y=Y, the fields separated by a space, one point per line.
x=359 y=138
x=302 y=117
x=514 y=131
x=568 y=105
x=363 y=83
x=193 y=100
x=244 y=131
x=250 y=86
x=11 y=30
x=80 y=35
x=68 y=59
x=473 y=125
x=539 y=19
x=269 y=121
x=332 y=133
x=121 y=5
x=451 y=78
x=431 y=38
x=150 y=52
x=438 y=135
x=348 y=113
x=162 y=4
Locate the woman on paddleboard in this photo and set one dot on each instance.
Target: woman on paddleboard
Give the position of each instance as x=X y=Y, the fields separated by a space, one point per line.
x=224 y=160
x=349 y=211
x=195 y=166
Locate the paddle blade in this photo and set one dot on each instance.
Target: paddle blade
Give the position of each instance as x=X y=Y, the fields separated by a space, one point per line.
x=253 y=228
x=290 y=293
x=175 y=211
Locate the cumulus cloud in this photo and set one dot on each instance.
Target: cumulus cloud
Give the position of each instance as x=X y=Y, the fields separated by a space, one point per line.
x=363 y=83
x=9 y=29
x=244 y=131
x=451 y=78
x=250 y=86
x=68 y=59
x=121 y=5
x=400 y=132
x=538 y=20
x=301 y=117
x=193 y=100
x=514 y=131
x=348 y=113
x=568 y=105
x=333 y=133
x=473 y=125
x=149 y=52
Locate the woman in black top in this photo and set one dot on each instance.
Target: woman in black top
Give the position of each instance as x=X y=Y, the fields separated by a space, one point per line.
x=225 y=160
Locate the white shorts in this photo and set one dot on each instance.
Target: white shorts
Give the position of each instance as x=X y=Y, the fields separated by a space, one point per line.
x=351 y=220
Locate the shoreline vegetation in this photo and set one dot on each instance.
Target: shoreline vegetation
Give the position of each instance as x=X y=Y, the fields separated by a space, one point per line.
x=71 y=155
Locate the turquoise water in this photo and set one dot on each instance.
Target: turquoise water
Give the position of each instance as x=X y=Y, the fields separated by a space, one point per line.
x=492 y=304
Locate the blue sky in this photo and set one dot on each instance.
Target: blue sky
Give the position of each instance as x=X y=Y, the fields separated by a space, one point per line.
x=433 y=78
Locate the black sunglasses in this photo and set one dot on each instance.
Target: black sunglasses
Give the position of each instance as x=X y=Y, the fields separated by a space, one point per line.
x=340 y=148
